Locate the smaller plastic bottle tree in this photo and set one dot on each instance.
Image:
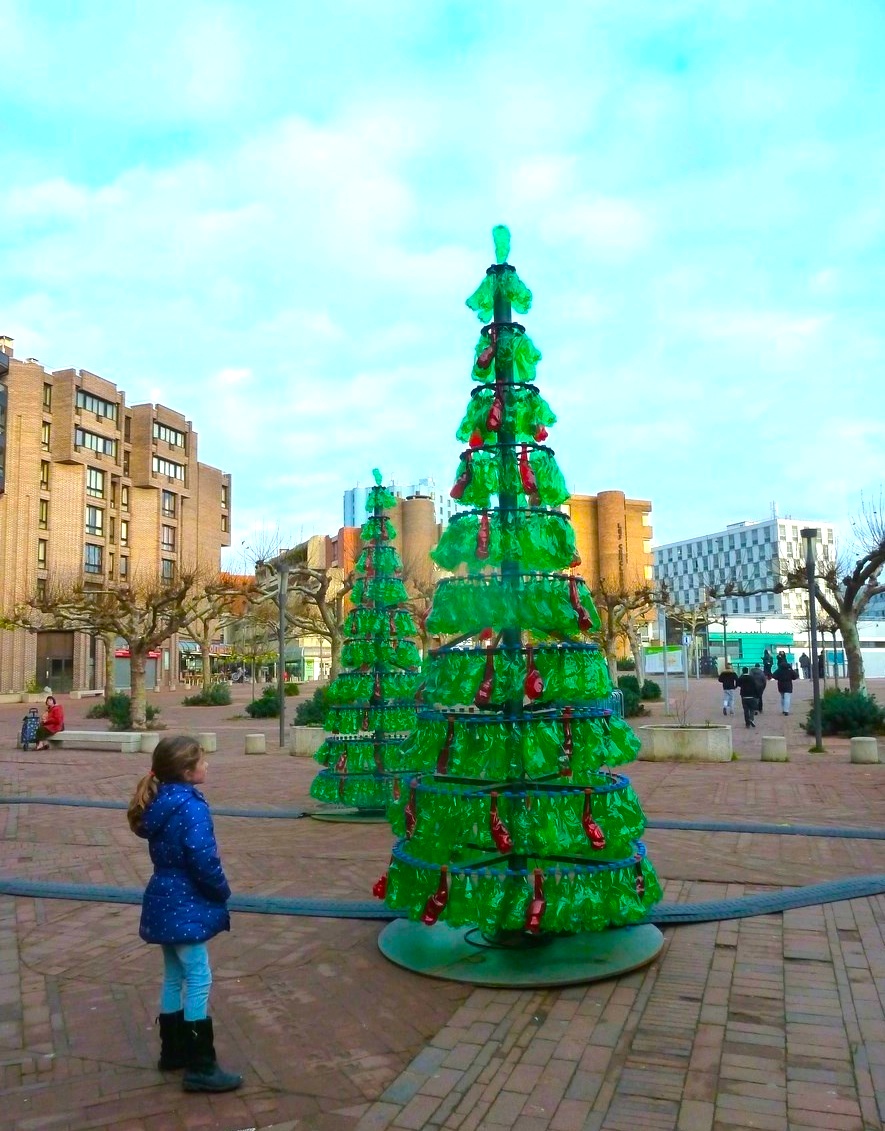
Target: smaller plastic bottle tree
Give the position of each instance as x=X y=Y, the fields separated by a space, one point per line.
x=371 y=704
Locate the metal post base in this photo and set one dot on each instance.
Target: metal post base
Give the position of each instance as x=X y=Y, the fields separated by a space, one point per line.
x=464 y=955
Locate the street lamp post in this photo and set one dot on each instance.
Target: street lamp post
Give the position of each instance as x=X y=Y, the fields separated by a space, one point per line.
x=810 y=533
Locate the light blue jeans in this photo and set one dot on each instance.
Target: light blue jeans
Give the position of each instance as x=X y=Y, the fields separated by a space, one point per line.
x=186 y=965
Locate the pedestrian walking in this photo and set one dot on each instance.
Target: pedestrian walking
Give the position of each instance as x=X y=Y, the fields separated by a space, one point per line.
x=784 y=677
x=760 y=680
x=821 y=664
x=728 y=679
x=767 y=662
x=747 y=686
x=805 y=665
x=184 y=905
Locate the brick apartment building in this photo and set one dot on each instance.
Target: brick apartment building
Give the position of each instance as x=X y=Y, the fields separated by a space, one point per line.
x=94 y=490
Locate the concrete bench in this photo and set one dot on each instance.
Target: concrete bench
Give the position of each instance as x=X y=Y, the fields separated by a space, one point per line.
x=87 y=693
x=126 y=741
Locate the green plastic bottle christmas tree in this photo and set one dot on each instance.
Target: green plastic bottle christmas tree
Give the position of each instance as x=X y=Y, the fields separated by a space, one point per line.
x=519 y=826
x=371 y=704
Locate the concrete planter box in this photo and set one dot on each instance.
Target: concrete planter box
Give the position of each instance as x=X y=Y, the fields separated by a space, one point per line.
x=685 y=744
x=305 y=741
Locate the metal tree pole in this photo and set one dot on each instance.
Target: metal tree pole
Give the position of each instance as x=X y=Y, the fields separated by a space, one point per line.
x=281 y=644
x=809 y=533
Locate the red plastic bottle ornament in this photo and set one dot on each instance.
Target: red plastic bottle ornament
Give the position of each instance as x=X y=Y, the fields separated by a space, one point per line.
x=364 y=721
x=434 y=906
x=640 y=881
x=486 y=635
x=527 y=473
x=541 y=433
x=463 y=480
x=584 y=622
x=484 y=693
x=482 y=537
x=576 y=561
x=565 y=758
x=377 y=694
x=419 y=694
x=341 y=764
x=500 y=835
x=496 y=412
x=534 y=685
x=594 y=833
x=379 y=888
x=342 y=789
x=537 y=907
x=410 y=812
x=442 y=762
x=476 y=440
x=485 y=359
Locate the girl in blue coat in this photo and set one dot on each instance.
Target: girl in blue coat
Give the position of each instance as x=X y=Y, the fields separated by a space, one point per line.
x=185 y=905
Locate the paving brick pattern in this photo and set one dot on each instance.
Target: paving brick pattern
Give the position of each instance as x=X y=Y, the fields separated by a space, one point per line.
x=768 y=1022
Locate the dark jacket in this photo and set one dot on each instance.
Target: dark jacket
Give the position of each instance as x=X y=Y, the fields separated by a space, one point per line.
x=186 y=898
x=748 y=686
x=728 y=679
x=759 y=679
x=783 y=676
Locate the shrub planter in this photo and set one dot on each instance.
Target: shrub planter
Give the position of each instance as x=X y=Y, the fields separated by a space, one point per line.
x=685 y=744
x=305 y=741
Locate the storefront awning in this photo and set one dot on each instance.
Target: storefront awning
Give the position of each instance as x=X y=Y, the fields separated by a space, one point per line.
x=188 y=646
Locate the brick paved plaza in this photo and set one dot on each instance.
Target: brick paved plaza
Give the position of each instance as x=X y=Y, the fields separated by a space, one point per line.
x=771 y=1022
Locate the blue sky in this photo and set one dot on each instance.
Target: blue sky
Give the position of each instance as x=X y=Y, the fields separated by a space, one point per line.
x=268 y=216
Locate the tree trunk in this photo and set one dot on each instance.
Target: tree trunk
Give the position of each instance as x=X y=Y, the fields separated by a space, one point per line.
x=853 y=657
x=137 y=664
x=335 y=642
x=635 y=639
x=207 y=674
x=110 y=665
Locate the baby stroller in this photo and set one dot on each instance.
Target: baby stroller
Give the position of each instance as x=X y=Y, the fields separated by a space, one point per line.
x=30 y=723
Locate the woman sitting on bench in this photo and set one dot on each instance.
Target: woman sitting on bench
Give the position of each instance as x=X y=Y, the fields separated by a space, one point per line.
x=51 y=723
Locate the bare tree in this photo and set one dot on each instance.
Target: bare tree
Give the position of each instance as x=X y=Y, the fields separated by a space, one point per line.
x=210 y=603
x=845 y=584
x=144 y=613
x=623 y=610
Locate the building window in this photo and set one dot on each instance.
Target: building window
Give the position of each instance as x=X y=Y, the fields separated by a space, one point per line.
x=124 y=532
x=167 y=504
x=110 y=565
x=47 y=395
x=44 y=474
x=124 y=567
x=167 y=539
x=126 y=464
x=170 y=435
x=95 y=443
x=92 y=561
x=41 y=553
x=45 y=435
x=107 y=410
x=113 y=491
x=124 y=497
x=225 y=496
x=167 y=569
x=127 y=428
x=168 y=467
x=94 y=521
x=41 y=588
x=44 y=514
x=224 y=524
x=95 y=482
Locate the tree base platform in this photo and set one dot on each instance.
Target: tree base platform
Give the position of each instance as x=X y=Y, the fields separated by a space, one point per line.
x=463 y=954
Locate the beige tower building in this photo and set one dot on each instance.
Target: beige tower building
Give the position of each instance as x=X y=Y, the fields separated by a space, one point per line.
x=96 y=491
x=613 y=536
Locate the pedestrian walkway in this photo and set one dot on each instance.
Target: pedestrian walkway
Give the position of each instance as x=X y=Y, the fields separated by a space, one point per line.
x=768 y=1022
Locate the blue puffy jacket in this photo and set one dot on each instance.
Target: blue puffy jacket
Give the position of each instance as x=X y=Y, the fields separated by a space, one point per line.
x=186 y=898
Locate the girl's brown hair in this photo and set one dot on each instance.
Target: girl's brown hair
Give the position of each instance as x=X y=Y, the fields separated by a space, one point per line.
x=172 y=759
